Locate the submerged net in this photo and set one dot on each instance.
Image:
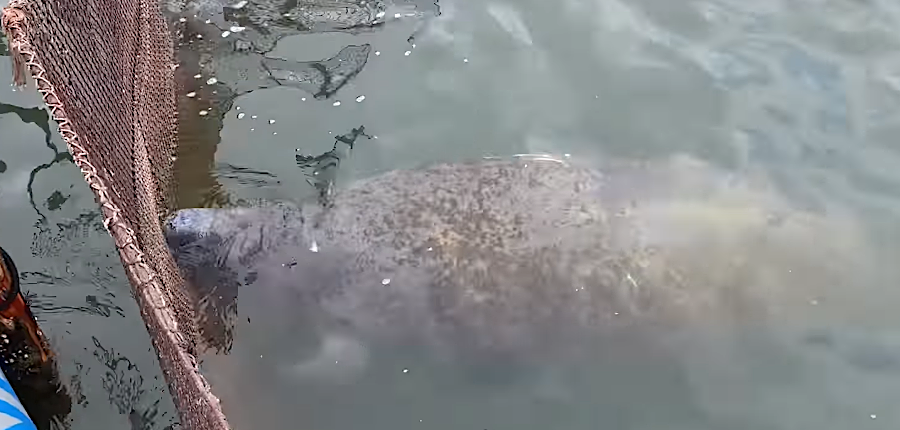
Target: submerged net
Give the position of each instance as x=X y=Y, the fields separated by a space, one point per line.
x=105 y=69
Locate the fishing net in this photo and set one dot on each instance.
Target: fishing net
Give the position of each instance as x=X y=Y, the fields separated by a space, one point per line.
x=105 y=69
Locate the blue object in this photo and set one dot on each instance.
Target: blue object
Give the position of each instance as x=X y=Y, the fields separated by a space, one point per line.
x=12 y=413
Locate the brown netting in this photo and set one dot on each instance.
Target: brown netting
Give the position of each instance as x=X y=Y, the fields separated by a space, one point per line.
x=105 y=69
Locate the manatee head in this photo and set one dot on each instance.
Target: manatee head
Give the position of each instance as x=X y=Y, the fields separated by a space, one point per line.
x=215 y=250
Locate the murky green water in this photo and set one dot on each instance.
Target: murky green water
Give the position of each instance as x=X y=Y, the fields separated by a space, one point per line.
x=801 y=94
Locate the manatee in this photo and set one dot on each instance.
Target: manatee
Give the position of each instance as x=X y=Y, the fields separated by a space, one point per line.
x=521 y=262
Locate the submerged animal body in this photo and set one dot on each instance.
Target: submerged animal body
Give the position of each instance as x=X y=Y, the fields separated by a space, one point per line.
x=525 y=261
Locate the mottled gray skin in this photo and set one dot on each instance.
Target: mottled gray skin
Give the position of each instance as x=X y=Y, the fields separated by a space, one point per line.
x=526 y=270
x=478 y=261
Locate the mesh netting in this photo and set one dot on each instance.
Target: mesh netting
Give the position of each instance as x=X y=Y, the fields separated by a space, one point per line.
x=105 y=71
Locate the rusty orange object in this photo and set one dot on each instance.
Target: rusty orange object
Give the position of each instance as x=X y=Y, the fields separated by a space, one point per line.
x=13 y=306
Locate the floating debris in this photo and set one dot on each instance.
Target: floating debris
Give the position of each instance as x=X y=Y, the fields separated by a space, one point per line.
x=379 y=14
x=191 y=94
x=303 y=99
x=240 y=115
x=465 y=60
x=239 y=5
x=405 y=370
x=337 y=103
x=314 y=247
x=360 y=99
x=271 y=121
x=204 y=112
x=237 y=29
x=211 y=81
x=385 y=281
x=377 y=53
x=407 y=53
x=198 y=76
x=397 y=15
x=252 y=116
x=226 y=33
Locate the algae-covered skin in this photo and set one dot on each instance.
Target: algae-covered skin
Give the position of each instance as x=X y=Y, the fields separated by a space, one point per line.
x=527 y=260
x=517 y=292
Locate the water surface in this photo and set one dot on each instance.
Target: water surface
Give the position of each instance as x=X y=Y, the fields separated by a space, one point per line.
x=801 y=93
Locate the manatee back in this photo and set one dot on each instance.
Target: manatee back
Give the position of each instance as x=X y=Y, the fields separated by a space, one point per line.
x=496 y=256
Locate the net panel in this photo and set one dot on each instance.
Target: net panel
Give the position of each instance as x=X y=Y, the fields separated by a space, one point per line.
x=105 y=70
